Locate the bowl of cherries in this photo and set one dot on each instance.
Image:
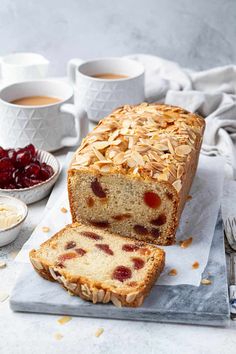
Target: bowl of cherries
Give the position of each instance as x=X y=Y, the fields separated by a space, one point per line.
x=27 y=173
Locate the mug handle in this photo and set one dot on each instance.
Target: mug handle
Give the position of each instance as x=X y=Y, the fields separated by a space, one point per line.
x=81 y=124
x=71 y=67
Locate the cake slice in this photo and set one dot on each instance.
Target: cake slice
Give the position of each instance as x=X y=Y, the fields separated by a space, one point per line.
x=99 y=266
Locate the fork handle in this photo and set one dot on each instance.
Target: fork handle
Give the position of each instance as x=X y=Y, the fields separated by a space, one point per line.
x=232 y=301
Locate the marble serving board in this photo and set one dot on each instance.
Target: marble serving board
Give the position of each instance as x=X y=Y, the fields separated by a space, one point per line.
x=203 y=305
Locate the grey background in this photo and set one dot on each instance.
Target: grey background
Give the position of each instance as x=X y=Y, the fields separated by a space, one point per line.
x=196 y=33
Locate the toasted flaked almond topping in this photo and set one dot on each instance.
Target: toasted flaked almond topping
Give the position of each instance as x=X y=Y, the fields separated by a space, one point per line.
x=177 y=185
x=172 y=272
x=45 y=229
x=183 y=150
x=58 y=336
x=2 y=264
x=206 y=282
x=186 y=243
x=99 y=332
x=180 y=171
x=64 y=210
x=3 y=296
x=64 y=319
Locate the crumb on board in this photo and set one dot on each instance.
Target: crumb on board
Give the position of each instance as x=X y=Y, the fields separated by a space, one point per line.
x=206 y=282
x=64 y=319
x=99 y=332
x=64 y=210
x=58 y=336
x=189 y=197
x=186 y=243
x=173 y=272
x=45 y=229
x=195 y=265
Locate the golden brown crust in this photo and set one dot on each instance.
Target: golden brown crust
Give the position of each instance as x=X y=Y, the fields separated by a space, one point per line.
x=96 y=291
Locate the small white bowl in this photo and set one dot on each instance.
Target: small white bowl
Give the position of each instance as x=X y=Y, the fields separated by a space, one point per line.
x=39 y=191
x=10 y=234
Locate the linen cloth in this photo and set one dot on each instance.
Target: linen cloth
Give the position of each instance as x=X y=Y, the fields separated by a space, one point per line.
x=211 y=93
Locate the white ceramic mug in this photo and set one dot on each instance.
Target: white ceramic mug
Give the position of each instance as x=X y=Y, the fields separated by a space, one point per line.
x=19 y=67
x=98 y=96
x=48 y=127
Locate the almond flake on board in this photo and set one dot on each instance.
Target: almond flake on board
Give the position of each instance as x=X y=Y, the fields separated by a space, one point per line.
x=2 y=264
x=64 y=319
x=3 y=296
x=206 y=282
x=99 y=332
x=58 y=336
x=45 y=229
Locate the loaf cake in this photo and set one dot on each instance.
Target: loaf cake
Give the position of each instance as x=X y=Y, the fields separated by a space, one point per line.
x=132 y=173
x=99 y=266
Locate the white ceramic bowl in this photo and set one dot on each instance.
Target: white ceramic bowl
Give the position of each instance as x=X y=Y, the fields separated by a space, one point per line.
x=39 y=191
x=10 y=234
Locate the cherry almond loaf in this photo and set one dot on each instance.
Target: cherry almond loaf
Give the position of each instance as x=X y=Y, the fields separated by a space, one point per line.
x=99 y=266
x=132 y=173
x=127 y=185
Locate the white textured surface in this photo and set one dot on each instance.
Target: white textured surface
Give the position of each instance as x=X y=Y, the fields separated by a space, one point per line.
x=197 y=34
x=32 y=333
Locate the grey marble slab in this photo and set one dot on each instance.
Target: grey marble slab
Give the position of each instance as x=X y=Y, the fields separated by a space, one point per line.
x=203 y=305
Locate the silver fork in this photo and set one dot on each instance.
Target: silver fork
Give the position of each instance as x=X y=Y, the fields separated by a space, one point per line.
x=230 y=248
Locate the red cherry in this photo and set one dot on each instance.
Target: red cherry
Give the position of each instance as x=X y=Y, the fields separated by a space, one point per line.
x=23 y=158
x=31 y=149
x=152 y=199
x=3 y=153
x=6 y=164
x=32 y=170
x=122 y=273
x=5 y=176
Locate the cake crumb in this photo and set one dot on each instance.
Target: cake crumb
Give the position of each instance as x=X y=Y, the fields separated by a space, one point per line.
x=173 y=272
x=64 y=319
x=195 y=265
x=206 y=282
x=58 y=336
x=64 y=210
x=99 y=332
x=45 y=229
x=3 y=296
x=186 y=243
x=2 y=264
x=189 y=197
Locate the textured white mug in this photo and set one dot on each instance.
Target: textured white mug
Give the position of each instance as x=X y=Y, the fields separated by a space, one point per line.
x=47 y=126
x=19 y=67
x=98 y=96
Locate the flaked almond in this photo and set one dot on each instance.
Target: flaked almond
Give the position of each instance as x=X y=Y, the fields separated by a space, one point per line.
x=45 y=229
x=100 y=145
x=2 y=264
x=98 y=154
x=99 y=332
x=64 y=319
x=183 y=150
x=180 y=171
x=177 y=185
x=206 y=282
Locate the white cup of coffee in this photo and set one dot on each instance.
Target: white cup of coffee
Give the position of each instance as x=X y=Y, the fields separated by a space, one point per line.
x=19 y=67
x=40 y=112
x=101 y=85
